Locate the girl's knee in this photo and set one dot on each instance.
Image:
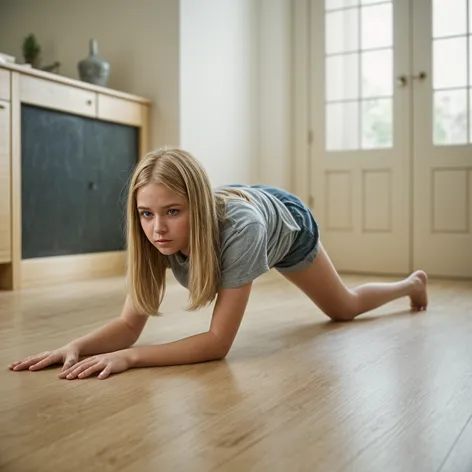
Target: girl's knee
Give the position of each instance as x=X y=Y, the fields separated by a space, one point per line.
x=344 y=311
x=345 y=315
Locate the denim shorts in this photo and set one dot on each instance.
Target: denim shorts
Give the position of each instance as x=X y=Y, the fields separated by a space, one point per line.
x=306 y=245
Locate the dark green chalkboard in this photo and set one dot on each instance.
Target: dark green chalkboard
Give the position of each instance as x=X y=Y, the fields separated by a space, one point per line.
x=74 y=177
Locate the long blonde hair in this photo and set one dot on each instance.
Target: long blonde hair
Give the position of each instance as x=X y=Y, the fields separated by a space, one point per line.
x=183 y=174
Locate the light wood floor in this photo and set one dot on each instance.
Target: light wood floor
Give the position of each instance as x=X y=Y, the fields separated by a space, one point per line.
x=391 y=391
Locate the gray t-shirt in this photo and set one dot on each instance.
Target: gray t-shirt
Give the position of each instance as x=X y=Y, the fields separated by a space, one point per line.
x=255 y=236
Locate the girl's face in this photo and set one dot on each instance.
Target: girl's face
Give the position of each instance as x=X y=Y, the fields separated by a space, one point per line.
x=164 y=218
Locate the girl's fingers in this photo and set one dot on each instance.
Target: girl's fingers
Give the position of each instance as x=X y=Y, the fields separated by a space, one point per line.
x=75 y=370
x=69 y=363
x=23 y=362
x=71 y=369
x=29 y=361
x=44 y=363
x=91 y=370
x=105 y=372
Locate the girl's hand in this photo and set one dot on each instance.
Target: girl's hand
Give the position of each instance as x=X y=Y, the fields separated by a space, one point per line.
x=68 y=355
x=106 y=364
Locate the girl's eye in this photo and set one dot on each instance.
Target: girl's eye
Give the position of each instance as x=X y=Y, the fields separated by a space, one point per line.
x=146 y=214
x=174 y=214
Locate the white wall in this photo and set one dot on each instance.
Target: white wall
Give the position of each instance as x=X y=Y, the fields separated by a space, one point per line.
x=235 y=88
x=218 y=86
x=140 y=39
x=218 y=71
x=275 y=78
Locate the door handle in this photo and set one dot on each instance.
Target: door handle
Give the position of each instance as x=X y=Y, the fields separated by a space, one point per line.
x=421 y=76
x=402 y=80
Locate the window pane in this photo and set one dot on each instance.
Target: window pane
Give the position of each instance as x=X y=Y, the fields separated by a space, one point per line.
x=470 y=55
x=368 y=2
x=470 y=115
x=342 y=126
x=470 y=16
x=342 y=31
x=332 y=4
x=377 y=73
x=377 y=128
x=449 y=17
x=342 y=77
x=450 y=63
x=450 y=117
x=376 y=26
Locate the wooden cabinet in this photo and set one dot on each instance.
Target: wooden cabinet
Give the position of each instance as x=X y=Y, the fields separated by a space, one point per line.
x=4 y=84
x=119 y=110
x=5 y=197
x=63 y=97
x=67 y=150
x=5 y=202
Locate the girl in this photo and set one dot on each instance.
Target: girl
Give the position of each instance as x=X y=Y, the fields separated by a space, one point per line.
x=216 y=242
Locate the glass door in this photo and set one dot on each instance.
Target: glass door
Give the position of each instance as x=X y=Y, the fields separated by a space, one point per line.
x=360 y=120
x=441 y=83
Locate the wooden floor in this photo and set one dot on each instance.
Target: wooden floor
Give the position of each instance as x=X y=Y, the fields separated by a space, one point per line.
x=391 y=391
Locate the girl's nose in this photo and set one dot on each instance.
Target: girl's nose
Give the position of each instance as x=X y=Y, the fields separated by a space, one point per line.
x=159 y=226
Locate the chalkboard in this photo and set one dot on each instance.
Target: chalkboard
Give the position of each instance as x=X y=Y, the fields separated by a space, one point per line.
x=74 y=181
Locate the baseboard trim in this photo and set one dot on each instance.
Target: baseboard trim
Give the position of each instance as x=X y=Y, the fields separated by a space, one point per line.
x=60 y=269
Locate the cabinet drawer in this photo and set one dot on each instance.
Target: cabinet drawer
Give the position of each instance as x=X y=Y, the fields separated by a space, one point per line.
x=4 y=84
x=119 y=110
x=48 y=94
x=5 y=207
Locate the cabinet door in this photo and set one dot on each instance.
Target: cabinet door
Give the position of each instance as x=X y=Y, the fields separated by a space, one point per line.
x=5 y=203
x=54 y=179
x=111 y=152
x=75 y=172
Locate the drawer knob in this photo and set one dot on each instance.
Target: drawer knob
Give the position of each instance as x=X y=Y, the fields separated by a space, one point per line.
x=89 y=102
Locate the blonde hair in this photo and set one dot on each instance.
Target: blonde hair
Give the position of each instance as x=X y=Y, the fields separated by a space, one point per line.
x=183 y=174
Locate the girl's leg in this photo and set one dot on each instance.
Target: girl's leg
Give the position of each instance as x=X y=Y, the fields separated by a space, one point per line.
x=325 y=288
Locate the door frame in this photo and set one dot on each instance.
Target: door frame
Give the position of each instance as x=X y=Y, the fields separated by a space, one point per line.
x=300 y=161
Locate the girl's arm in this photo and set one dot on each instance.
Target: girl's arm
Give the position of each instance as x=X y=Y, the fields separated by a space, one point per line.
x=118 y=334
x=214 y=344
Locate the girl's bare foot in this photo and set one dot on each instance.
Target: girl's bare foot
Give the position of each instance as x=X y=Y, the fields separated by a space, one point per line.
x=419 y=290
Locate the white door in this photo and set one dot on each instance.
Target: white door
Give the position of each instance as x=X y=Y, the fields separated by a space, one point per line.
x=360 y=120
x=442 y=157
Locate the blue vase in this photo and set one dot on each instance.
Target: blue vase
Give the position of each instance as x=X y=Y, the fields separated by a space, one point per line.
x=94 y=70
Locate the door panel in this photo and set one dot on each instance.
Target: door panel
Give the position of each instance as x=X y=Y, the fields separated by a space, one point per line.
x=360 y=161
x=53 y=172
x=111 y=151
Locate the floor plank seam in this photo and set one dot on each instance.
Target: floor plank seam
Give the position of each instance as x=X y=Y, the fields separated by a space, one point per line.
x=454 y=444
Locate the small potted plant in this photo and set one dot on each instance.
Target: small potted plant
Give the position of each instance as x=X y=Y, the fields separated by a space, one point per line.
x=32 y=51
